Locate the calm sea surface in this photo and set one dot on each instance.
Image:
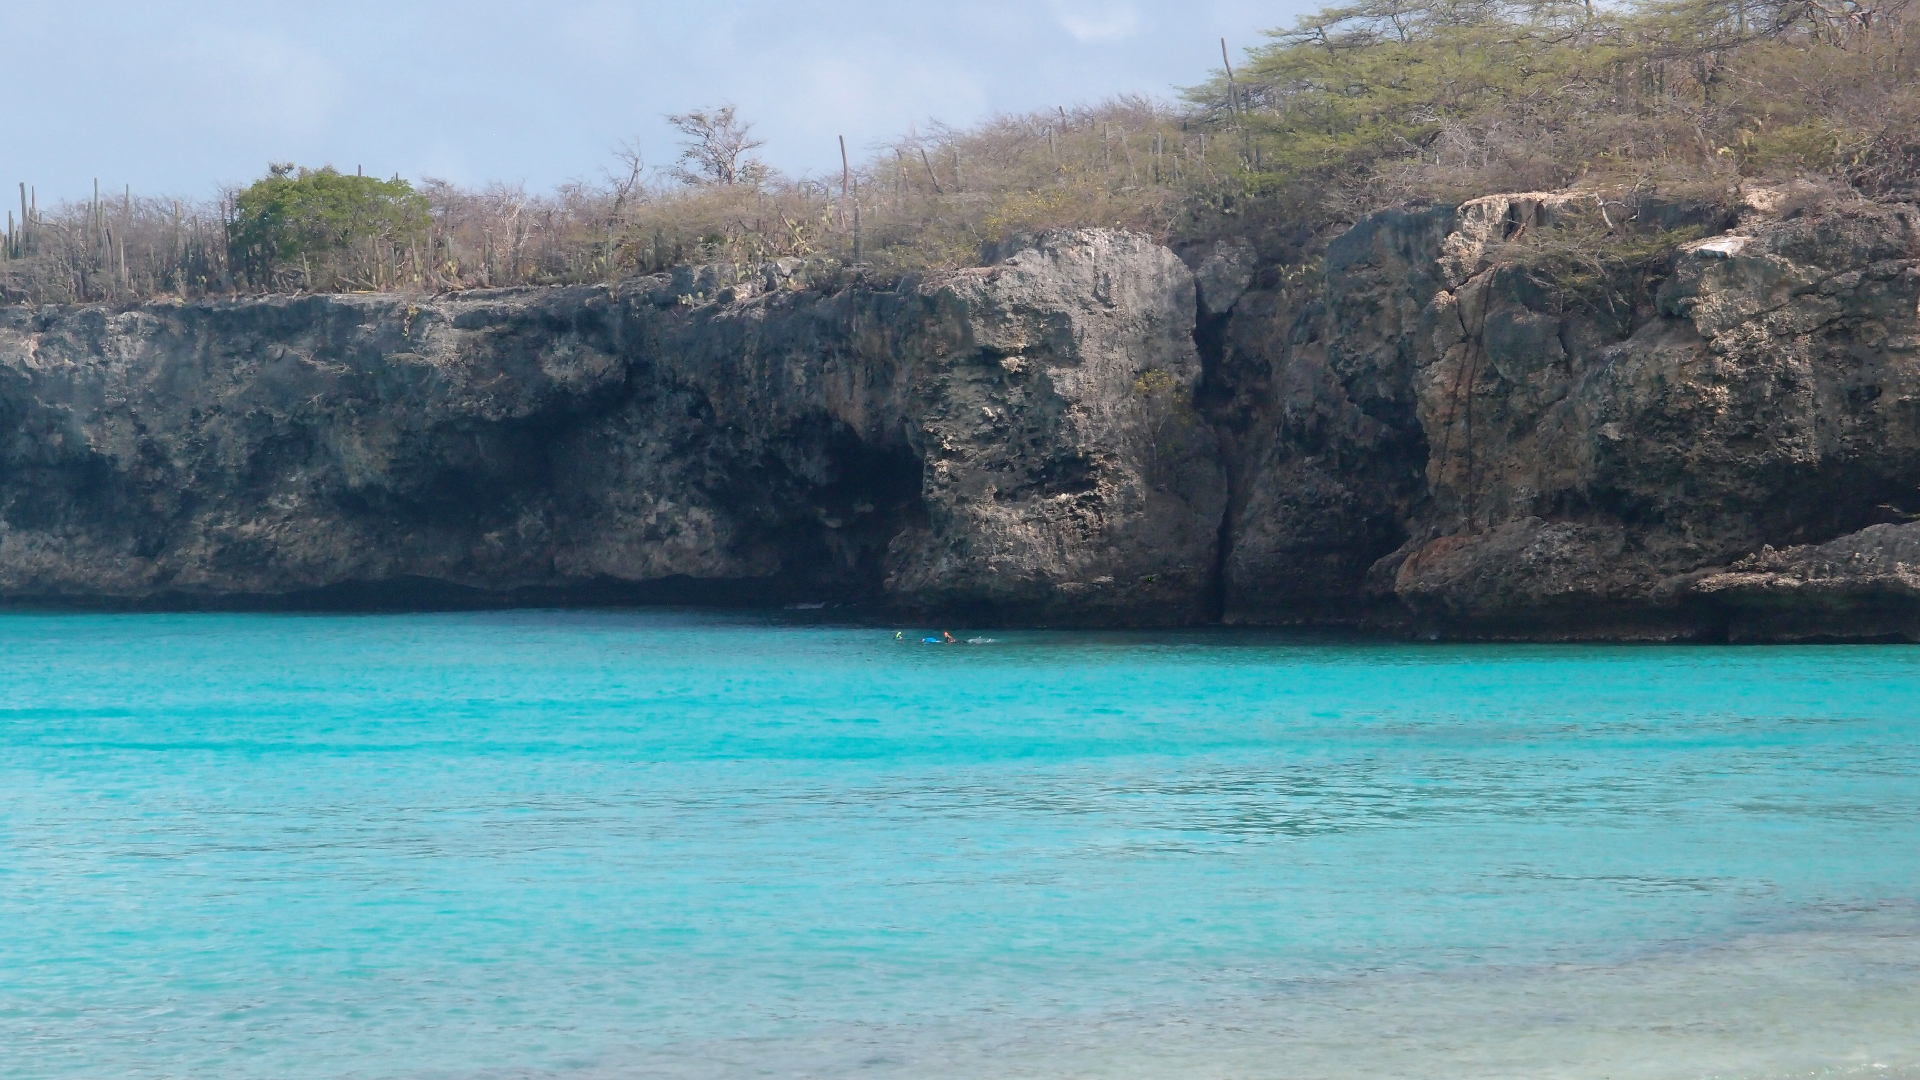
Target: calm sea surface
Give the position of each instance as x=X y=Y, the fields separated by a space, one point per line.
x=642 y=844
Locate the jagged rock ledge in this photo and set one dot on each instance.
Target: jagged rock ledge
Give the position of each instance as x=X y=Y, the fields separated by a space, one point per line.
x=1425 y=440
x=1012 y=443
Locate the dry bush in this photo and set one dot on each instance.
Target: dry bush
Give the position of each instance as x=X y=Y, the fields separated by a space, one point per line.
x=115 y=250
x=1378 y=103
x=924 y=201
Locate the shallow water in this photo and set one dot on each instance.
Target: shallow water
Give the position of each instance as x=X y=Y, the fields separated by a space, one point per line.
x=642 y=844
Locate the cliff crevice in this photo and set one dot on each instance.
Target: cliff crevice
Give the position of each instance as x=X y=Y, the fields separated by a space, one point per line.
x=1430 y=434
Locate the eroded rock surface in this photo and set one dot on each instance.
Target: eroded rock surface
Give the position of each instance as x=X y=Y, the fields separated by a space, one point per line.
x=1017 y=440
x=1583 y=467
x=1863 y=585
x=1421 y=435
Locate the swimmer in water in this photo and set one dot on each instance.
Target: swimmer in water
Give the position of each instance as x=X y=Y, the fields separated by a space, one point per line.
x=949 y=637
x=899 y=635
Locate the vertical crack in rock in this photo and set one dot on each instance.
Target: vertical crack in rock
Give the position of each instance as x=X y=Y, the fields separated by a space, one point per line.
x=1427 y=432
x=1012 y=443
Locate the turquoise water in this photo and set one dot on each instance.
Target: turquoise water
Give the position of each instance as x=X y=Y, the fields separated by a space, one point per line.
x=550 y=844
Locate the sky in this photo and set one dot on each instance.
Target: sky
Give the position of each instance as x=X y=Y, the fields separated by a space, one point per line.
x=177 y=98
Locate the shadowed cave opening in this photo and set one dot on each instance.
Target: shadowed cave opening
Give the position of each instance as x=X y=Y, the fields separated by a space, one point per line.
x=829 y=503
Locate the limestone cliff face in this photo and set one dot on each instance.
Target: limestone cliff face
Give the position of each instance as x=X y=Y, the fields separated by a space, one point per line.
x=1016 y=441
x=1521 y=467
x=1421 y=438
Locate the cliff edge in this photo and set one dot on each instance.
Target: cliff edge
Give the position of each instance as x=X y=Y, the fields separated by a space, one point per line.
x=1441 y=435
x=1015 y=442
x=1427 y=437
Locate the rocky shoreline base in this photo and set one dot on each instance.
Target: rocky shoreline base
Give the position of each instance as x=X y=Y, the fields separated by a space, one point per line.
x=1427 y=436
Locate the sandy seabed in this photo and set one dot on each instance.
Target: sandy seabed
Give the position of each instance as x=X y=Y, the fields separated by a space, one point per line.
x=1810 y=1003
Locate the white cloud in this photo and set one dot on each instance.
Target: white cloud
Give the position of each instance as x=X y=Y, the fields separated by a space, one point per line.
x=178 y=94
x=1095 y=22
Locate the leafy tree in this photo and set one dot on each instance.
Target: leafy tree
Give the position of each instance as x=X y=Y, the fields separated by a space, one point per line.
x=717 y=148
x=328 y=228
x=1380 y=101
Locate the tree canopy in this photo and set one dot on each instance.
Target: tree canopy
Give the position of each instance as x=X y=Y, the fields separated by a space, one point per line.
x=1363 y=105
x=718 y=148
x=1383 y=100
x=331 y=229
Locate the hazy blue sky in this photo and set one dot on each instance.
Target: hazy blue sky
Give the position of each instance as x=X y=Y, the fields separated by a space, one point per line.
x=176 y=97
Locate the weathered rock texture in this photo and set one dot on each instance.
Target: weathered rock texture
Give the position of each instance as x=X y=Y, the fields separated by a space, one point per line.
x=1442 y=436
x=1016 y=442
x=1423 y=437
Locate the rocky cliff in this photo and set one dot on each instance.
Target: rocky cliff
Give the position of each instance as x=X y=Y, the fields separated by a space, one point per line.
x=1422 y=438
x=1439 y=436
x=1013 y=443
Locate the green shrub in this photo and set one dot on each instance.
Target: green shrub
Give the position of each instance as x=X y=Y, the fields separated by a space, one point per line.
x=1361 y=106
x=319 y=229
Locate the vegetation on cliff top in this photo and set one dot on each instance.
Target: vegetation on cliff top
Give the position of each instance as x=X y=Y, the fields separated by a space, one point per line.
x=1384 y=101
x=1376 y=103
x=317 y=229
